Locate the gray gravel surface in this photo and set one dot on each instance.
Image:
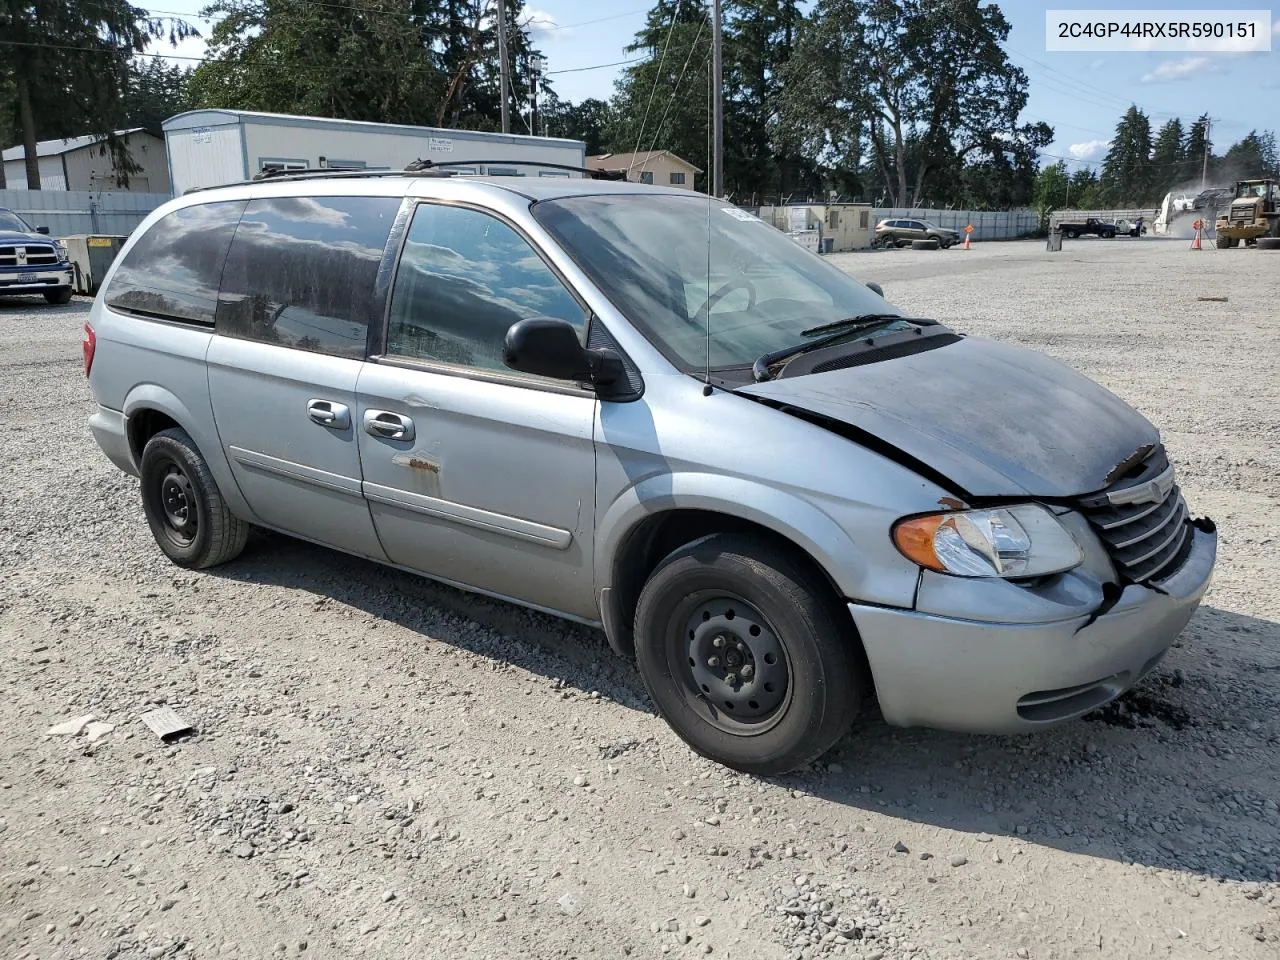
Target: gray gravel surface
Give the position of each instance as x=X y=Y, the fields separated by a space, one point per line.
x=387 y=767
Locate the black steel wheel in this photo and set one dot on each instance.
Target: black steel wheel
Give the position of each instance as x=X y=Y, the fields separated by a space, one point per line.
x=185 y=510
x=747 y=653
x=737 y=664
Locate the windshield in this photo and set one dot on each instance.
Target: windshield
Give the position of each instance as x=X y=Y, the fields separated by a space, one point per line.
x=649 y=254
x=11 y=221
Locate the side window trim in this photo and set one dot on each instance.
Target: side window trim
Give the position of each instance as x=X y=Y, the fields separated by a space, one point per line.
x=410 y=210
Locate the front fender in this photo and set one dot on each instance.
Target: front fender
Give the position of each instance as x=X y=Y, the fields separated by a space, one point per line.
x=199 y=425
x=786 y=514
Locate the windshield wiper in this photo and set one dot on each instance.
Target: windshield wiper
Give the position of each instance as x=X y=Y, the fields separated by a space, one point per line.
x=852 y=323
x=839 y=329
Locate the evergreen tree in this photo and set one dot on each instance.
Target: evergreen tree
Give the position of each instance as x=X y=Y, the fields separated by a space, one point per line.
x=1167 y=160
x=66 y=71
x=1126 y=171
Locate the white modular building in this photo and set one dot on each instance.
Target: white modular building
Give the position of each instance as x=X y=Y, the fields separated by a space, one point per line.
x=208 y=148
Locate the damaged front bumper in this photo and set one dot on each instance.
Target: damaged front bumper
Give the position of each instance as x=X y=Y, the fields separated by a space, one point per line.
x=1000 y=676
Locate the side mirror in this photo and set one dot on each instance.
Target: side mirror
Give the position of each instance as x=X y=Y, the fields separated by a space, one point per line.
x=549 y=347
x=872 y=285
x=44 y=230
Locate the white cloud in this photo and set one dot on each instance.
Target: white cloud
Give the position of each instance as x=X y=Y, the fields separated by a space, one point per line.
x=1179 y=69
x=1275 y=28
x=1089 y=150
x=1097 y=64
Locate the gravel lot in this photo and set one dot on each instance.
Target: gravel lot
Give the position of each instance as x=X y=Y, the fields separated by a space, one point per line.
x=386 y=767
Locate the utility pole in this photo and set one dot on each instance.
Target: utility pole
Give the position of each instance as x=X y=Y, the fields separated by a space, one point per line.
x=502 y=66
x=1204 y=167
x=717 y=105
x=536 y=66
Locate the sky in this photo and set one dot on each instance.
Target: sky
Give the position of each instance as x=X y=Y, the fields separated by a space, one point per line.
x=1081 y=95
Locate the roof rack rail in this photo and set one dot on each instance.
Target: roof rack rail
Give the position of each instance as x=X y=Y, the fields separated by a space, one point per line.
x=417 y=168
x=423 y=166
x=320 y=174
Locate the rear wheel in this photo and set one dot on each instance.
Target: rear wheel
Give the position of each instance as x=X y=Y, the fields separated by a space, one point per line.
x=1222 y=243
x=747 y=654
x=59 y=296
x=1269 y=243
x=184 y=508
x=1070 y=234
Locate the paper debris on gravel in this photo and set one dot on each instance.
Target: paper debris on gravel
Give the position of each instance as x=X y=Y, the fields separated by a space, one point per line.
x=165 y=723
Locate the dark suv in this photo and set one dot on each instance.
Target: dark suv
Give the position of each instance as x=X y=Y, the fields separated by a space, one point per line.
x=900 y=233
x=31 y=262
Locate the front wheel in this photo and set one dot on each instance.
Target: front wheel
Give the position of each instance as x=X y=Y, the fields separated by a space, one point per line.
x=60 y=296
x=747 y=654
x=184 y=508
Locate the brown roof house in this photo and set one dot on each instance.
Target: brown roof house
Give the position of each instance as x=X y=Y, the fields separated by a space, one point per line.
x=659 y=167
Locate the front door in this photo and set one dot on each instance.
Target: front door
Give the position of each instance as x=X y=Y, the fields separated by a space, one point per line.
x=298 y=292
x=475 y=474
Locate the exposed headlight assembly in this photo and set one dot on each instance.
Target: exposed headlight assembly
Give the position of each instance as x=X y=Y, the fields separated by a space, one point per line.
x=62 y=252
x=1019 y=541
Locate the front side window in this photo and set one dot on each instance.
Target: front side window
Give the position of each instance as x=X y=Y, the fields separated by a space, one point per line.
x=464 y=278
x=171 y=272
x=700 y=278
x=301 y=272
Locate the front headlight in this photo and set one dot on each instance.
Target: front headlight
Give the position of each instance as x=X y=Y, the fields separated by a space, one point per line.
x=1019 y=541
x=62 y=251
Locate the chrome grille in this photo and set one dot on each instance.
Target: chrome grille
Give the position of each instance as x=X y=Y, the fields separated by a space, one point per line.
x=31 y=255
x=1142 y=520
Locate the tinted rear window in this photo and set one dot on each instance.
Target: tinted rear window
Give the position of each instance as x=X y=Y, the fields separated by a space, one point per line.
x=172 y=270
x=302 y=270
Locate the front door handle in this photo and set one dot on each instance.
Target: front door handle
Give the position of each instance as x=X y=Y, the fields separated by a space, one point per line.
x=335 y=416
x=384 y=423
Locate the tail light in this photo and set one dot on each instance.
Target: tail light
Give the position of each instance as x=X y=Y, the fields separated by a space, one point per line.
x=88 y=345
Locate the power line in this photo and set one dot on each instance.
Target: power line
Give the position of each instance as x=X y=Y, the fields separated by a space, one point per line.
x=671 y=29
x=598 y=66
x=674 y=91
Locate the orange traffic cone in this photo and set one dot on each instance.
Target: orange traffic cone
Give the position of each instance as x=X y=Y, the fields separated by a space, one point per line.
x=966 y=242
x=1195 y=244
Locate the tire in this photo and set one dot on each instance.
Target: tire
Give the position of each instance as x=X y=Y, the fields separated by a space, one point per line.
x=1109 y=235
x=185 y=510
x=1070 y=234
x=1223 y=243
x=1269 y=243
x=60 y=296
x=924 y=244
x=807 y=673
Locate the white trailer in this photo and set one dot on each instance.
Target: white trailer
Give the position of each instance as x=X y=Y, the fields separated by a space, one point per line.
x=208 y=148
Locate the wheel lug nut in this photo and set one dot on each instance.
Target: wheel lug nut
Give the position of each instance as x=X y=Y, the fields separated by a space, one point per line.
x=748 y=671
x=713 y=662
x=731 y=679
x=718 y=643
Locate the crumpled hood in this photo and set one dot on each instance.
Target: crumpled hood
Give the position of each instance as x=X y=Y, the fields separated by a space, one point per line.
x=996 y=420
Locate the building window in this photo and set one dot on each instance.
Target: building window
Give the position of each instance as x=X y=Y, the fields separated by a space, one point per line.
x=346 y=164
x=646 y=177
x=677 y=179
x=503 y=172
x=833 y=219
x=864 y=218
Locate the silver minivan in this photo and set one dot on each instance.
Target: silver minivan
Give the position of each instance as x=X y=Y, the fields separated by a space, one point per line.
x=651 y=412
